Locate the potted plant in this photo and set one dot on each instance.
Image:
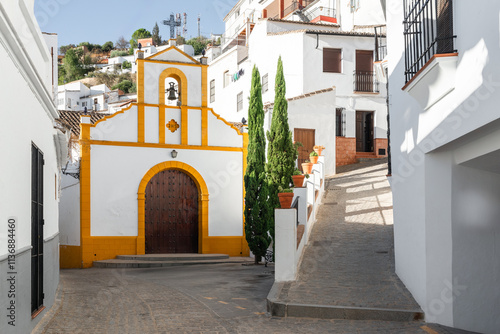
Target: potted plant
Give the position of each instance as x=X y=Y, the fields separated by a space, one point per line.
x=298 y=178
x=313 y=156
x=318 y=149
x=307 y=167
x=286 y=197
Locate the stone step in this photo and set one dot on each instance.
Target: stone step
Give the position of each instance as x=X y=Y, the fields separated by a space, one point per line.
x=136 y=263
x=174 y=257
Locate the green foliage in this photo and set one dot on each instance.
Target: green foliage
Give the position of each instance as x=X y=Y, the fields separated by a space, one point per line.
x=126 y=64
x=285 y=190
x=257 y=212
x=297 y=171
x=313 y=154
x=118 y=53
x=156 y=35
x=64 y=48
x=124 y=86
x=281 y=151
x=198 y=43
x=138 y=34
x=75 y=65
x=108 y=46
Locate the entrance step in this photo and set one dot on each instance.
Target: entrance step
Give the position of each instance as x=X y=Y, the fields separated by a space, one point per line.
x=168 y=260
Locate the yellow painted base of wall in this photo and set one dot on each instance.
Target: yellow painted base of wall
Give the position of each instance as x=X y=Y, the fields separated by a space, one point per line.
x=106 y=248
x=70 y=257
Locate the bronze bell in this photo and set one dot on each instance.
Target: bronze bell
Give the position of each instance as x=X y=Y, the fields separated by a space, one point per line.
x=171 y=92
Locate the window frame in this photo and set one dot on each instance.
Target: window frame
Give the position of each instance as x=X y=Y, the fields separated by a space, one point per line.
x=239 y=102
x=212 y=91
x=265 y=84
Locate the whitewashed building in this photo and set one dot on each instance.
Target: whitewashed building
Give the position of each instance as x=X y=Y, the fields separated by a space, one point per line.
x=445 y=131
x=324 y=45
x=158 y=177
x=75 y=96
x=32 y=152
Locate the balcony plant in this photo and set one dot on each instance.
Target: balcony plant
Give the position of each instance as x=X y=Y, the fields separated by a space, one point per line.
x=307 y=167
x=298 y=178
x=318 y=149
x=313 y=156
x=285 y=196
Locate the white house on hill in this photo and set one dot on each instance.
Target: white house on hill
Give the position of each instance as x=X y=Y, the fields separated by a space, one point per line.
x=323 y=44
x=32 y=153
x=445 y=139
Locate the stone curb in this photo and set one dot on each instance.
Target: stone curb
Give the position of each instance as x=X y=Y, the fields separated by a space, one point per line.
x=282 y=309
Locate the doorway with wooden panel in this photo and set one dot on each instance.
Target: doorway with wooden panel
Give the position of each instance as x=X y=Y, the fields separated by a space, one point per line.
x=171 y=222
x=364 y=131
x=307 y=138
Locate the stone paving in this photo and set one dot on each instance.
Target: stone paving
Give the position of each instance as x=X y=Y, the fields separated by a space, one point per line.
x=349 y=260
x=223 y=298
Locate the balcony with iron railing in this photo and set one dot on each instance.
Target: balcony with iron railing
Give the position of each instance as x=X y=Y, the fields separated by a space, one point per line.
x=365 y=82
x=320 y=13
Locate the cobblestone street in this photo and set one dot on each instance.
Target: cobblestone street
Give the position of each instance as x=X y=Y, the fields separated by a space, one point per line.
x=350 y=263
x=226 y=298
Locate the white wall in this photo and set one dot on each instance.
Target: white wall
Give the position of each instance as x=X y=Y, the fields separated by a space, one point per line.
x=28 y=114
x=323 y=108
x=69 y=211
x=445 y=173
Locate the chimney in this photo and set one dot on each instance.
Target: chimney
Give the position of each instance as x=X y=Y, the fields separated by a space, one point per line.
x=172 y=42
x=140 y=54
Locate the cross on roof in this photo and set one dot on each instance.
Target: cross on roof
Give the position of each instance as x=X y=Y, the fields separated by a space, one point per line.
x=172 y=23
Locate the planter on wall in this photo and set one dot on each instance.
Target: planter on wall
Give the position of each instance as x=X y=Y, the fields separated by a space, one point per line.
x=314 y=160
x=307 y=167
x=318 y=149
x=298 y=180
x=285 y=200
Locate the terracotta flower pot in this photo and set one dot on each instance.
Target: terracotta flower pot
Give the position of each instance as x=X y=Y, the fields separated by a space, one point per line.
x=285 y=200
x=318 y=149
x=314 y=160
x=307 y=167
x=298 y=180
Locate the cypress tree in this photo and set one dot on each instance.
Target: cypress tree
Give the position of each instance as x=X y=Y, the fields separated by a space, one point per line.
x=280 y=152
x=257 y=210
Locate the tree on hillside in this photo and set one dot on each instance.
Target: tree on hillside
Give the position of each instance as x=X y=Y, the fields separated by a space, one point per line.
x=281 y=151
x=156 y=35
x=64 y=48
x=75 y=65
x=181 y=40
x=198 y=43
x=107 y=47
x=124 y=86
x=122 y=43
x=258 y=211
x=138 y=34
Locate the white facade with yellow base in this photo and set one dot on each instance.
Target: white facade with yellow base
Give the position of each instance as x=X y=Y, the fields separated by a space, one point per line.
x=123 y=152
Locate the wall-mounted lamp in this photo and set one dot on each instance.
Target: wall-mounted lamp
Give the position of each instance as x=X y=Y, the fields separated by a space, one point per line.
x=173 y=154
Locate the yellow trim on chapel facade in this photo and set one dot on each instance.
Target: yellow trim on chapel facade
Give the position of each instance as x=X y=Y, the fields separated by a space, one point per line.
x=94 y=248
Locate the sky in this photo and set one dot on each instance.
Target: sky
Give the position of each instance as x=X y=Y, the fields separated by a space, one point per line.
x=97 y=22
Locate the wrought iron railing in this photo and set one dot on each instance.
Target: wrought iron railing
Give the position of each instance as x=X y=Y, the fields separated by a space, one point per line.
x=428 y=30
x=380 y=43
x=365 y=81
x=318 y=11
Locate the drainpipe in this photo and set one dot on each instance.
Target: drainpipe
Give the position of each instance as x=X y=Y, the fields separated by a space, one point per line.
x=317 y=41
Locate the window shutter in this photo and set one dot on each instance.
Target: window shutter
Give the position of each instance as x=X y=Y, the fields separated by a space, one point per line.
x=332 y=60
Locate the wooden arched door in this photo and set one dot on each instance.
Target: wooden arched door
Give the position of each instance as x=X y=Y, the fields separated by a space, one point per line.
x=171 y=210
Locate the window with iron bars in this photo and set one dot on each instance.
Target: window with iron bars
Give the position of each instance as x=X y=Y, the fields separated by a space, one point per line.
x=428 y=30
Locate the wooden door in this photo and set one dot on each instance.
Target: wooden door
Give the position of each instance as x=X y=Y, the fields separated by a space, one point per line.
x=307 y=138
x=171 y=213
x=364 y=71
x=369 y=132
x=360 y=135
x=37 y=222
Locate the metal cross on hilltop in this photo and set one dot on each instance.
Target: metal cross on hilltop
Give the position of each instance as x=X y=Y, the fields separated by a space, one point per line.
x=172 y=23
